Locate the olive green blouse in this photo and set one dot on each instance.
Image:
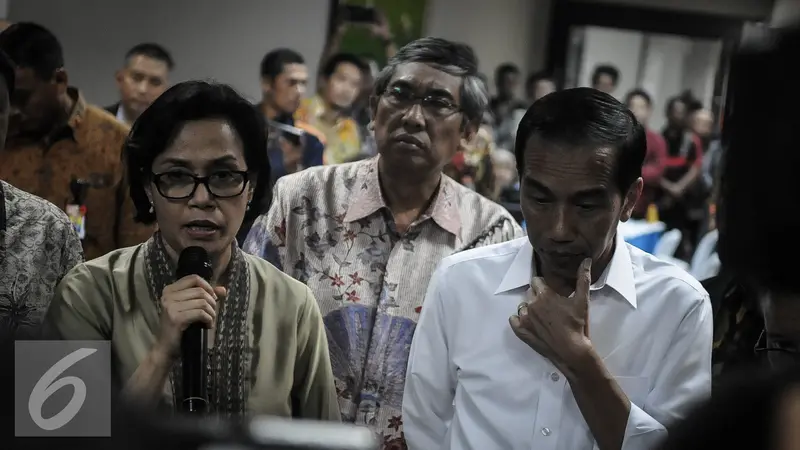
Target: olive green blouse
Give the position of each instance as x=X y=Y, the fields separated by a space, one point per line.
x=108 y=298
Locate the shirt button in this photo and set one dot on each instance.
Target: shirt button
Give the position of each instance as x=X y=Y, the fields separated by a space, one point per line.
x=546 y=431
x=554 y=376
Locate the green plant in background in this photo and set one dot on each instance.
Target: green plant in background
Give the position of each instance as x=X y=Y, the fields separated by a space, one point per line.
x=404 y=17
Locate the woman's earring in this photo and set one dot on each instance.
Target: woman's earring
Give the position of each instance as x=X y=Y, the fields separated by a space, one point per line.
x=151 y=210
x=371 y=125
x=248 y=206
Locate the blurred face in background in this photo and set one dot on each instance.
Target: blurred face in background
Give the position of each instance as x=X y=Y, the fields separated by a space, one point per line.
x=676 y=116
x=702 y=123
x=605 y=83
x=505 y=168
x=508 y=85
x=35 y=104
x=539 y=89
x=141 y=82
x=343 y=86
x=287 y=89
x=640 y=108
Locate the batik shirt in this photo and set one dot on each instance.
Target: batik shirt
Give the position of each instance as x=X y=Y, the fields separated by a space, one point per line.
x=38 y=246
x=329 y=227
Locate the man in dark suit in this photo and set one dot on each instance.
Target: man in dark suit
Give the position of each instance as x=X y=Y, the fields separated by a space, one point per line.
x=144 y=77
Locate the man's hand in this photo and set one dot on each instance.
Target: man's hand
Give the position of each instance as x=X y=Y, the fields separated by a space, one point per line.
x=556 y=327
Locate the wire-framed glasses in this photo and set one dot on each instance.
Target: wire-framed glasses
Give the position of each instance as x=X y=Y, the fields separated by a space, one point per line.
x=402 y=97
x=776 y=353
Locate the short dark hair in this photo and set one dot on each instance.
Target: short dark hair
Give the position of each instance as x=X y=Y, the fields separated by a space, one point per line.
x=586 y=117
x=503 y=70
x=158 y=125
x=605 y=69
x=153 y=51
x=692 y=103
x=454 y=58
x=275 y=61
x=333 y=62
x=759 y=183
x=33 y=46
x=639 y=93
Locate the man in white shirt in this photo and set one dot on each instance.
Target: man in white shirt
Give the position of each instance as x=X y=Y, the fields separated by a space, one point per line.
x=606 y=346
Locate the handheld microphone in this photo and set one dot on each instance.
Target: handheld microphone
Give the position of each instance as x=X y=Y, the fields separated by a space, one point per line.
x=194 y=346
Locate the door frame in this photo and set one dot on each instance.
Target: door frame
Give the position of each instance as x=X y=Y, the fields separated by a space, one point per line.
x=570 y=13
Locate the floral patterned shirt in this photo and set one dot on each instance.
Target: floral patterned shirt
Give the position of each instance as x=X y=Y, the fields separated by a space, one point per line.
x=342 y=138
x=38 y=246
x=329 y=227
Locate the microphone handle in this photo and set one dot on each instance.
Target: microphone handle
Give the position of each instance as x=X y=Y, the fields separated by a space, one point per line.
x=194 y=351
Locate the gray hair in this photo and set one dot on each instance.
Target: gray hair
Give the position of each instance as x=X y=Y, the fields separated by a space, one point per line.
x=450 y=57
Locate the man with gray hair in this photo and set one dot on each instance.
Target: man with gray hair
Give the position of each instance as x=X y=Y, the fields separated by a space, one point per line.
x=366 y=236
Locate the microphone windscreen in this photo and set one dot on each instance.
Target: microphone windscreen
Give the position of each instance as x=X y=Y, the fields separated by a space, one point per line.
x=194 y=261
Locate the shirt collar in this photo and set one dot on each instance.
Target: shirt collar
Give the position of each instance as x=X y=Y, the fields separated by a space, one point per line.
x=121 y=114
x=618 y=275
x=368 y=199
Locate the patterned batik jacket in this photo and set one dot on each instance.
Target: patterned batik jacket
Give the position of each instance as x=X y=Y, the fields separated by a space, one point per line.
x=329 y=227
x=38 y=246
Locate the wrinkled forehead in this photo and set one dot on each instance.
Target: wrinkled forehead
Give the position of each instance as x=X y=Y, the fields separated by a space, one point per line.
x=563 y=166
x=424 y=78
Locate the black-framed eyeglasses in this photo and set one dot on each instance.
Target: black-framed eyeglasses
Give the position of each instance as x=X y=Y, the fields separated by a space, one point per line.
x=776 y=353
x=176 y=185
x=402 y=97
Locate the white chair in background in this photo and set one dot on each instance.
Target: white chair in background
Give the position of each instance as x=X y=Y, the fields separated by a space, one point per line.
x=668 y=244
x=704 y=251
x=709 y=268
x=676 y=262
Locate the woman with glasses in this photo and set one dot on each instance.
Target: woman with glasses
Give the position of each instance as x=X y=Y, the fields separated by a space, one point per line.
x=759 y=229
x=197 y=166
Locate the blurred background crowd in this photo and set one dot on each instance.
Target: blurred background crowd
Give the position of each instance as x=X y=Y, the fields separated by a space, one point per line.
x=310 y=65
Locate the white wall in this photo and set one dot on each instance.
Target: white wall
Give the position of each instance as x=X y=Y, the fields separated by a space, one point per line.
x=734 y=8
x=700 y=70
x=208 y=38
x=499 y=31
x=620 y=48
x=664 y=72
x=785 y=11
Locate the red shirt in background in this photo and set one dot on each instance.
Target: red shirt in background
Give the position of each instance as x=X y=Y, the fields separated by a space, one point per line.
x=654 y=163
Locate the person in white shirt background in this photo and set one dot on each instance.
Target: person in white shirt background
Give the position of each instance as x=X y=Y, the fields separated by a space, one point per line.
x=606 y=346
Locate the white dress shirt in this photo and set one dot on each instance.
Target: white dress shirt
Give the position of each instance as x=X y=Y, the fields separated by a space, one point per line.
x=473 y=385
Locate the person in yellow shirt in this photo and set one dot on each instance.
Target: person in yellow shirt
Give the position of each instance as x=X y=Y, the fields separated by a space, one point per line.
x=328 y=111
